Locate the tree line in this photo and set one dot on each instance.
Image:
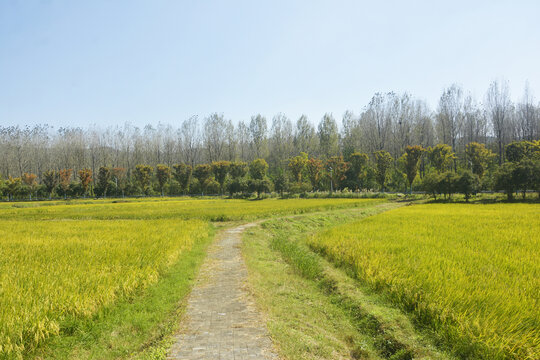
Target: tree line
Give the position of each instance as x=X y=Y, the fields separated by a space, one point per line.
x=390 y=124
x=431 y=169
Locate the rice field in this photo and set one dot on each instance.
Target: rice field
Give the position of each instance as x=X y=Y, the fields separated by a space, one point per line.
x=174 y=208
x=61 y=261
x=52 y=270
x=471 y=273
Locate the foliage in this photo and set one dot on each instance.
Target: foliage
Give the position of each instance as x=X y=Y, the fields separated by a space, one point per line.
x=221 y=170
x=260 y=186
x=358 y=168
x=238 y=169
x=182 y=174
x=466 y=271
x=336 y=168
x=314 y=169
x=203 y=172
x=281 y=183
x=85 y=177
x=13 y=186
x=143 y=175
x=104 y=176
x=478 y=157
x=50 y=179
x=30 y=181
x=519 y=150
x=120 y=177
x=64 y=179
x=297 y=166
x=258 y=169
x=441 y=157
x=328 y=136
x=163 y=174
x=410 y=158
x=383 y=161
x=467 y=184
x=237 y=185
x=523 y=175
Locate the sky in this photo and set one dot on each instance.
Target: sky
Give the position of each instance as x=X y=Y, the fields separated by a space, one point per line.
x=79 y=63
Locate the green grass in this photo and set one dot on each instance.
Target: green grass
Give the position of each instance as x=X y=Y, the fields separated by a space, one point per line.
x=468 y=272
x=316 y=311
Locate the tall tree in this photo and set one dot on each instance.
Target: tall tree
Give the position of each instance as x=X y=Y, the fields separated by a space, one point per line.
x=163 y=174
x=221 y=170
x=450 y=116
x=359 y=162
x=314 y=169
x=328 y=136
x=182 y=174
x=383 y=162
x=104 y=176
x=258 y=169
x=119 y=176
x=281 y=140
x=297 y=166
x=441 y=157
x=478 y=158
x=498 y=107
x=215 y=136
x=203 y=173
x=305 y=137
x=336 y=168
x=50 y=180
x=529 y=116
x=190 y=140
x=411 y=158
x=258 y=133
x=65 y=179
x=85 y=177
x=30 y=180
x=143 y=176
x=238 y=169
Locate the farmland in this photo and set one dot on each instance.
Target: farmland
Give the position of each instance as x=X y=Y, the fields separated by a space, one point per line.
x=432 y=279
x=205 y=209
x=60 y=262
x=470 y=273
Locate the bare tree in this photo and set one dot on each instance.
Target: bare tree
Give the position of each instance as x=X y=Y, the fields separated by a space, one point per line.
x=190 y=139
x=243 y=141
x=258 y=130
x=450 y=116
x=498 y=107
x=214 y=136
x=281 y=140
x=305 y=137
x=528 y=116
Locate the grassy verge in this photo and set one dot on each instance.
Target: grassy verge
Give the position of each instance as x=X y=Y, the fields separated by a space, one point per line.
x=316 y=310
x=137 y=328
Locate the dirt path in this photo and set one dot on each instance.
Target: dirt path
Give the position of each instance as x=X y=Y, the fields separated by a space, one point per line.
x=221 y=320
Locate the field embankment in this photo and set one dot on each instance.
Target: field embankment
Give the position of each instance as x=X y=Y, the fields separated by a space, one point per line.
x=317 y=311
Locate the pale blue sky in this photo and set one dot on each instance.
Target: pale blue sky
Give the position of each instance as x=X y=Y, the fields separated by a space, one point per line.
x=109 y=62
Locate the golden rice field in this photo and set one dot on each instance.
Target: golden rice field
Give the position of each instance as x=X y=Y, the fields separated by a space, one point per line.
x=60 y=260
x=53 y=269
x=471 y=273
x=184 y=208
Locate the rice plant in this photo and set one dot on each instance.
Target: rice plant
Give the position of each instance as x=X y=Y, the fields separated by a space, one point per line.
x=469 y=272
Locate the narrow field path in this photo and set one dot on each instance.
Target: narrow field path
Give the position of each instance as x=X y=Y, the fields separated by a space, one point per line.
x=221 y=321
